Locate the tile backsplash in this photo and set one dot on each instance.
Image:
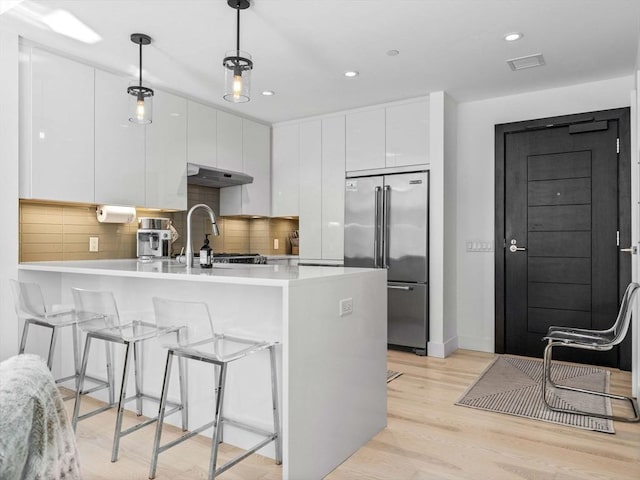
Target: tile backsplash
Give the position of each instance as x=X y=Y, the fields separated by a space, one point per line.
x=51 y=231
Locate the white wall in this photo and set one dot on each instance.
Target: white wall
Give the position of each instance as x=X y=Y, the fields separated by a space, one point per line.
x=474 y=282
x=8 y=190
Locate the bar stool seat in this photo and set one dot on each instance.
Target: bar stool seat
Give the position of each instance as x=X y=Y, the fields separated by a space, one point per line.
x=98 y=316
x=199 y=342
x=32 y=310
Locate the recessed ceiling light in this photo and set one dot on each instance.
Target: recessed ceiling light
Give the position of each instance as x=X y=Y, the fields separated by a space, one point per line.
x=351 y=74
x=62 y=22
x=392 y=53
x=513 y=36
x=268 y=93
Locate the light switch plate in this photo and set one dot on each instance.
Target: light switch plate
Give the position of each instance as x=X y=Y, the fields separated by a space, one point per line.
x=93 y=244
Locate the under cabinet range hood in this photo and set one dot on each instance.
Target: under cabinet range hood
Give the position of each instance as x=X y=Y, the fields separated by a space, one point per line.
x=215 y=177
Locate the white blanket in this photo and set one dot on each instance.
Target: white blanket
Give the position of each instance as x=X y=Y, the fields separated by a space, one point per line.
x=36 y=438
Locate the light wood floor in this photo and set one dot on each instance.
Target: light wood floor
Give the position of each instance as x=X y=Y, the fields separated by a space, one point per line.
x=427 y=437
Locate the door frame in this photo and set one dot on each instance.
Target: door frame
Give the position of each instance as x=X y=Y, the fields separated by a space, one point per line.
x=622 y=115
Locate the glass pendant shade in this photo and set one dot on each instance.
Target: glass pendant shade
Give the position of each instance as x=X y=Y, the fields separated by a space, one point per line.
x=237 y=76
x=140 y=104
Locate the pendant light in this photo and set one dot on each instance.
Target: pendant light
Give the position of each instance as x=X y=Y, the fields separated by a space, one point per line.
x=237 y=64
x=141 y=102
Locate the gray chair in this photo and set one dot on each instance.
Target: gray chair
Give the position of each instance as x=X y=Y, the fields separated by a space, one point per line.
x=99 y=318
x=596 y=340
x=199 y=342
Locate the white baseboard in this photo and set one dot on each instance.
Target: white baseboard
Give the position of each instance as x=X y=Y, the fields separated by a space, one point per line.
x=442 y=350
x=477 y=343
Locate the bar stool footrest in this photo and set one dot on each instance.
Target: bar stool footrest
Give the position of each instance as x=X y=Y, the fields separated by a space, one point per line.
x=244 y=455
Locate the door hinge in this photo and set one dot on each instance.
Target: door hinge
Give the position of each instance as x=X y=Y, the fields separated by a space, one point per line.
x=618 y=238
x=617 y=145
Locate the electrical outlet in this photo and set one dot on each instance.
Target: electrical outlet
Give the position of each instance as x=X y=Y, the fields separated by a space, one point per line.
x=346 y=306
x=93 y=244
x=276 y=244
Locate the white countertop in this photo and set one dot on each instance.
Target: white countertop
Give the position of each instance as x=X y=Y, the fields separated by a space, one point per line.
x=245 y=274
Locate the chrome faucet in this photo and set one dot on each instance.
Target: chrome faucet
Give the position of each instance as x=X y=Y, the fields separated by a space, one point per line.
x=214 y=226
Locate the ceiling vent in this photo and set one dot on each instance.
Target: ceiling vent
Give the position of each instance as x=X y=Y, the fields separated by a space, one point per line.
x=530 y=61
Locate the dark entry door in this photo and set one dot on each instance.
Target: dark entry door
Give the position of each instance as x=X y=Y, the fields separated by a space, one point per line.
x=562 y=229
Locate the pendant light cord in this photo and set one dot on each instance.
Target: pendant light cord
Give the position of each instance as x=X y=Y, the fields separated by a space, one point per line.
x=238 y=33
x=140 y=72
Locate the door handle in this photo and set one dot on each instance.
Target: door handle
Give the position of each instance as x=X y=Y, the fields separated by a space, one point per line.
x=631 y=250
x=386 y=208
x=514 y=248
x=377 y=229
x=398 y=287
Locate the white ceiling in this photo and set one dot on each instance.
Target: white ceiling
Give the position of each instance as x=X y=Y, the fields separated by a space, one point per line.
x=302 y=47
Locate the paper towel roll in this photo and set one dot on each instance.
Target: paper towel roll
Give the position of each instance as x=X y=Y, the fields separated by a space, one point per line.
x=115 y=214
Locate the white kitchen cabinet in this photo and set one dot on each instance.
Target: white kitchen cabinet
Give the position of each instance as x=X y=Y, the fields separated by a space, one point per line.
x=407 y=134
x=57 y=128
x=253 y=198
x=285 y=171
x=202 y=134
x=166 y=158
x=119 y=145
x=333 y=174
x=229 y=139
x=310 y=181
x=365 y=140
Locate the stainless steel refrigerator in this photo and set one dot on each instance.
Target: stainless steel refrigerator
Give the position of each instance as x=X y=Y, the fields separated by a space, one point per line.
x=386 y=226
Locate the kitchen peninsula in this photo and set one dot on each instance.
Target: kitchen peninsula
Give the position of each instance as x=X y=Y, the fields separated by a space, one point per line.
x=332 y=367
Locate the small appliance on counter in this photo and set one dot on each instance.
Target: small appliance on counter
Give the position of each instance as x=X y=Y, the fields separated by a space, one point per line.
x=153 y=238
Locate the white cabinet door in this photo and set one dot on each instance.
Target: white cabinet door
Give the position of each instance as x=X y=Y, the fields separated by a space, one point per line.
x=60 y=165
x=119 y=145
x=407 y=134
x=284 y=171
x=333 y=174
x=253 y=198
x=166 y=159
x=229 y=138
x=201 y=134
x=365 y=141
x=310 y=222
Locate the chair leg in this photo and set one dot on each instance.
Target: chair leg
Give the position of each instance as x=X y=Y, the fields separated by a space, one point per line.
x=137 y=372
x=83 y=371
x=184 y=393
x=108 y=347
x=25 y=332
x=123 y=393
x=216 y=430
x=276 y=410
x=76 y=353
x=547 y=379
x=52 y=347
x=163 y=405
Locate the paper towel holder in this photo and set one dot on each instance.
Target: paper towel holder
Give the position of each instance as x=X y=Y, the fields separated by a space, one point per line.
x=115 y=214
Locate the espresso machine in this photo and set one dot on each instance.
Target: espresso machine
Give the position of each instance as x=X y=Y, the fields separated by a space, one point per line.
x=154 y=238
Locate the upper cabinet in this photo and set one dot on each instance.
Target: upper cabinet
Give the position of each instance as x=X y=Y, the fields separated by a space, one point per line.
x=407 y=134
x=333 y=173
x=202 y=134
x=393 y=136
x=310 y=181
x=253 y=198
x=229 y=133
x=119 y=145
x=166 y=159
x=365 y=140
x=57 y=128
x=284 y=171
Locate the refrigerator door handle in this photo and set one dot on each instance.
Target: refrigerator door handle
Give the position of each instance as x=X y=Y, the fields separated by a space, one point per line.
x=398 y=287
x=376 y=229
x=386 y=206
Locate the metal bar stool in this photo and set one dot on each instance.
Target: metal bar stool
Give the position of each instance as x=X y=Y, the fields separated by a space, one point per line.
x=199 y=342
x=595 y=340
x=30 y=307
x=98 y=316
